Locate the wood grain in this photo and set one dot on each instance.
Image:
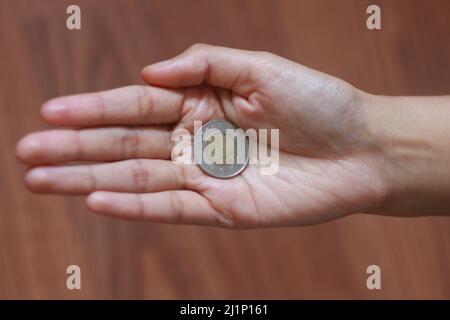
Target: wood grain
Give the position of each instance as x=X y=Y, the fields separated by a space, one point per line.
x=41 y=235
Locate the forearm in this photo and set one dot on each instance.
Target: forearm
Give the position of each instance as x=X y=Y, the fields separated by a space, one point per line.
x=412 y=135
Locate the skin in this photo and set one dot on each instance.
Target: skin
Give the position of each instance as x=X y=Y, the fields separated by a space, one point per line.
x=340 y=148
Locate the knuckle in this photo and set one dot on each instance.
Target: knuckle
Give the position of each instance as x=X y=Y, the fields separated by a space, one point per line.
x=181 y=175
x=177 y=206
x=79 y=145
x=198 y=46
x=144 y=103
x=92 y=180
x=266 y=56
x=140 y=175
x=130 y=143
x=168 y=144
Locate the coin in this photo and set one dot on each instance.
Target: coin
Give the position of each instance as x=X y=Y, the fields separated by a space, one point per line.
x=221 y=149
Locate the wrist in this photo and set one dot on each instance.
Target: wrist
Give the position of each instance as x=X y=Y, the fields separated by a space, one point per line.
x=410 y=136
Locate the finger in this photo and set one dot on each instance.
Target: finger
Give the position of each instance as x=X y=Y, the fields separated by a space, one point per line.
x=179 y=207
x=123 y=176
x=102 y=144
x=238 y=70
x=127 y=105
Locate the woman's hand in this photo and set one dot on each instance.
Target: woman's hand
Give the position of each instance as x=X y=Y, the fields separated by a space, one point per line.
x=329 y=164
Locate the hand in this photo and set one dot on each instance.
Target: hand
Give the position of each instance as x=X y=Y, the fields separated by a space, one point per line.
x=329 y=164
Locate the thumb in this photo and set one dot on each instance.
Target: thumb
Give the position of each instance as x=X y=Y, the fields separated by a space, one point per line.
x=238 y=70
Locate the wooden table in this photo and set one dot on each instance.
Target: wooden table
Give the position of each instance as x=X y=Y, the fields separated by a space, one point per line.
x=41 y=235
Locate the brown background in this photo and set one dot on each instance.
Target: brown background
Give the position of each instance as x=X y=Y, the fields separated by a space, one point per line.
x=41 y=235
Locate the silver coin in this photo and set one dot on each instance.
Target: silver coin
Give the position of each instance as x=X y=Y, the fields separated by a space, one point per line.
x=221 y=149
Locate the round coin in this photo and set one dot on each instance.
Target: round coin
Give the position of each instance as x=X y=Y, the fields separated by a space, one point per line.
x=221 y=149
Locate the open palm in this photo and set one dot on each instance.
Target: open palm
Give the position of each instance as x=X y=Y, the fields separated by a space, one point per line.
x=122 y=145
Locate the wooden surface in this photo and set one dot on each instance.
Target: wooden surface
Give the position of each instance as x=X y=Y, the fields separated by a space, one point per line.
x=41 y=235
